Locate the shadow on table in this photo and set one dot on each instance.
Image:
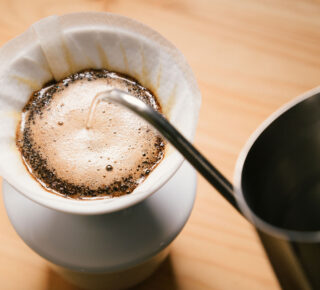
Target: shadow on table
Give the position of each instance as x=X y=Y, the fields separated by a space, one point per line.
x=56 y=282
x=163 y=278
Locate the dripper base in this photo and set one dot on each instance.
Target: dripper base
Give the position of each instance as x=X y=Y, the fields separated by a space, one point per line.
x=106 y=243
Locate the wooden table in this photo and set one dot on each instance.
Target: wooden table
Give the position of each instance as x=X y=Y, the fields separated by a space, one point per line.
x=249 y=58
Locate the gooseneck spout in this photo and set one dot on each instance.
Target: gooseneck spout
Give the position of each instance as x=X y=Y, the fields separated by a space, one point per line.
x=196 y=159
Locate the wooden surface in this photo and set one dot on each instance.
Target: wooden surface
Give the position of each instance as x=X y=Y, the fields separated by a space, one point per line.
x=249 y=57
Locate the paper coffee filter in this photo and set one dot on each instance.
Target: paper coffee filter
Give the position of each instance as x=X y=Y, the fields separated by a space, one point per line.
x=58 y=46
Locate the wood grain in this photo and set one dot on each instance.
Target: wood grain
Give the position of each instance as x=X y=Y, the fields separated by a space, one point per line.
x=249 y=58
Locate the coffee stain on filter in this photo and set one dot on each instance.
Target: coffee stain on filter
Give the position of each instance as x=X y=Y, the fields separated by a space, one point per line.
x=103 y=56
x=14 y=147
x=90 y=62
x=16 y=115
x=145 y=79
x=144 y=71
x=167 y=108
x=32 y=84
x=155 y=88
x=124 y=56
x=132 y=73
x=159 y=77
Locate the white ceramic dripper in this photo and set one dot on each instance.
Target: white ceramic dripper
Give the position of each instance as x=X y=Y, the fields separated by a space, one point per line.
x=51 y=225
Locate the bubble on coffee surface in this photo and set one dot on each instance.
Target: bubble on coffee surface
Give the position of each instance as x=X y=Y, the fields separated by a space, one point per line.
x=110 y=159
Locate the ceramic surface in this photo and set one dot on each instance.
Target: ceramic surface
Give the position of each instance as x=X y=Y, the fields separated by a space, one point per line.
x=108 y=242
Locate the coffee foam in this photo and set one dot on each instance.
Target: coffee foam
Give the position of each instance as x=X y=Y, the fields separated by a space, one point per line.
x=93 y=40
x=111 y=158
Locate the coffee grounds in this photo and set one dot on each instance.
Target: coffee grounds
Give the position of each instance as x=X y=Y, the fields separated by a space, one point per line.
x=39 y=105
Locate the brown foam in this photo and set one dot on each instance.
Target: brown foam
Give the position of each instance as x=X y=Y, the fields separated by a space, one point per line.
x=111 y=158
